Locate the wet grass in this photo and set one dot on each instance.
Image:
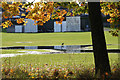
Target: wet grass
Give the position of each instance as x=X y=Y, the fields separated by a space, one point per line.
x=16 y=51
x=114 y=46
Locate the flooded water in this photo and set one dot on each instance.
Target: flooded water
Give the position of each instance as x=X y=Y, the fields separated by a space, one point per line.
x=53 y=50
x=48 y=47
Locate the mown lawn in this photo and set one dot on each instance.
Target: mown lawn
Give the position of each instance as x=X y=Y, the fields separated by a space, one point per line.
x=51 y=39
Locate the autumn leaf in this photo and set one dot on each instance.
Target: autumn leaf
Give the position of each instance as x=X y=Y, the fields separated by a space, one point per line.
x=27 y=10
x=82 y=4
x=22 y=14
x=56 y=22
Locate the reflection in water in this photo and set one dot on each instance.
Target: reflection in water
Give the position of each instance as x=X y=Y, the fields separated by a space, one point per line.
x=65 y=48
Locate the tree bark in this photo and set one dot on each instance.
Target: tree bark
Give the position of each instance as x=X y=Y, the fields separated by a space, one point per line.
x=101 y=59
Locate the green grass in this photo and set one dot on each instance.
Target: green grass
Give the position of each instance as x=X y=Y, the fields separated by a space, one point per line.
x=45 y=39
x=85 y=59
x=15 y=51
x=108 y=47
x=50 y=39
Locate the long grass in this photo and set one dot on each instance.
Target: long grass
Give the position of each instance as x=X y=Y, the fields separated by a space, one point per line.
x=55 y=66
x=85 y=59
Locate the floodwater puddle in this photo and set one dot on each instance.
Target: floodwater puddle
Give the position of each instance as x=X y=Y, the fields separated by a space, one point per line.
x=65 y=48
x=54 y=49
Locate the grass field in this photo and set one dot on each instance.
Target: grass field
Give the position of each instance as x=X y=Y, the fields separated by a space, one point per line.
x=32 y=61
x=51 y=39
x=43 y=39
x=85 y=59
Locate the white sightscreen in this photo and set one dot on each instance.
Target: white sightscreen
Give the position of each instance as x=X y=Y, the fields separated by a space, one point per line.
x=18 y=28
x=57 y=27
x=63 y=26
x=73 y=23
x=30 y=27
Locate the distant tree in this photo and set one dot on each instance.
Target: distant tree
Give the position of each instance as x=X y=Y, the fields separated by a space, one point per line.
x=113 y=10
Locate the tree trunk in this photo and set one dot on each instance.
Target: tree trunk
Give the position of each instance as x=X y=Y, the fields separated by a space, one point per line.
x=101 y=59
